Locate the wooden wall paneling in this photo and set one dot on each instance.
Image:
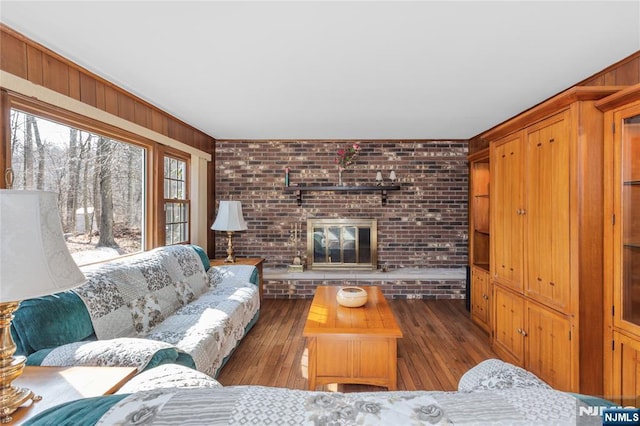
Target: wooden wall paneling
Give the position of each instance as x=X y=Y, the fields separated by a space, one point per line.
x=126 y=107
x=13 y=55
x=477 y=144
x=111 y=100
x=625 y=72
x=100 y=96
x=177 y=130
x=88 y=90
x=5 y=134
x=55 y=75
x=141 y=113
x=35 y=68
x=74 y=84
x=159 y=123
x=188 y=136
x=626 y=75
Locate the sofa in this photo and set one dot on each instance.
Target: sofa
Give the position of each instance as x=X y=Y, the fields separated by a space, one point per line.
x=161 y=306
x=491 y=393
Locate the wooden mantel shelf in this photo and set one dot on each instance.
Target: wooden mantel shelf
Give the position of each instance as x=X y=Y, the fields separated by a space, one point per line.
x=383 y=190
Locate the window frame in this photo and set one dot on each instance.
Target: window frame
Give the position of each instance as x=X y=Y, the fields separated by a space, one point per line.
x=154 y=162
x=168 y=152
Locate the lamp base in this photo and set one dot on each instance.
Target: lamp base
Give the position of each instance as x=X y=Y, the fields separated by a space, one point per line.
x=11 y=397
x=230 y=257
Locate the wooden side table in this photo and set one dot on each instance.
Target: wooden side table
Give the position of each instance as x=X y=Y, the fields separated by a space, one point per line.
x=57 y=385
x=253 y=261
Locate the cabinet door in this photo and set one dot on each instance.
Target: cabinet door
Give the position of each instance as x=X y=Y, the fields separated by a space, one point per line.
x=548 y=346
x=480 y=297
x=624 y=386
x=506 y=207
x=626 y=229
x=547 y=213
x=508 y=338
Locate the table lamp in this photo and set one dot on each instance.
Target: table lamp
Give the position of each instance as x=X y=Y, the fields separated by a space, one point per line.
x=34 y=262
x=229 y=219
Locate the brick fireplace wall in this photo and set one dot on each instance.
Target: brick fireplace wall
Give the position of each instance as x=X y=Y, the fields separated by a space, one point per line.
x=422 y=225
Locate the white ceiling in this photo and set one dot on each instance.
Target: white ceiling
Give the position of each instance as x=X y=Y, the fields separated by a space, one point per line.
x=336 y=70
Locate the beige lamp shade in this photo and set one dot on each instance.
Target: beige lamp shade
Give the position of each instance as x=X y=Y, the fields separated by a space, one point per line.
x=34 y=259
x=229 y=217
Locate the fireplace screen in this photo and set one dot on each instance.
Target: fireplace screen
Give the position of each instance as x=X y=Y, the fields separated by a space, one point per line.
x=342 y=243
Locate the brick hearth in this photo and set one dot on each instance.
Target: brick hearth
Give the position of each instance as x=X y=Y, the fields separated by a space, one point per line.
x=404 y=283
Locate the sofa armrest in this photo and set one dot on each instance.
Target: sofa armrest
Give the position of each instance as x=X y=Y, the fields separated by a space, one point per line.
x=122 y=352
x=50 y=321
x=169 y=376
x=239 y=273
x=494 y=374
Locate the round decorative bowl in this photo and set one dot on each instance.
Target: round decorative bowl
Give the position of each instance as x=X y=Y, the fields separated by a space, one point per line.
x=351 y=297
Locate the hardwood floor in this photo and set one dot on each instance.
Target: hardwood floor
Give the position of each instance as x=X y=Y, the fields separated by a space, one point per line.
x=440 y=344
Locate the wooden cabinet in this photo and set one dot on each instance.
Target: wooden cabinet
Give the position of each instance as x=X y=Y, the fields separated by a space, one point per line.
x=480 y=297
x=547 y=211
x=623 y=384
x=479 y=238
x=546 y=220
x=549 y=346
x=622 y=246
x=508 y=340
x=535 y=337
x=507 y=211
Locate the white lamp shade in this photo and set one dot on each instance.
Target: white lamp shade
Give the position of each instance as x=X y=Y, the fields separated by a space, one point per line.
x=34 y=259
x=229 y=217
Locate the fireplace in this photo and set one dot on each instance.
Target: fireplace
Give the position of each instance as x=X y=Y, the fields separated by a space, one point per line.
x=342 y=244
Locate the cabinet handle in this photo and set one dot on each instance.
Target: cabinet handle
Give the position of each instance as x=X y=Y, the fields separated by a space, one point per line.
x=524 y=333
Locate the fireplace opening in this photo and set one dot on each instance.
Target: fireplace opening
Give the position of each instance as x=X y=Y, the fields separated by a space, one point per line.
x=342 y=244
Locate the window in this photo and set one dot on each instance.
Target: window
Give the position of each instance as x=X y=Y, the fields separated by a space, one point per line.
x=176 y=200
x=100 y=183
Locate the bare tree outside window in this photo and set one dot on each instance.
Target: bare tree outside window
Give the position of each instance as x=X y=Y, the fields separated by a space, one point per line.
x=100 y=184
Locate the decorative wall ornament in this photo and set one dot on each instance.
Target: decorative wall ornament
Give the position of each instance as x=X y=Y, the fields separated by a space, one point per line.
x=379 y=179
x=345 y=158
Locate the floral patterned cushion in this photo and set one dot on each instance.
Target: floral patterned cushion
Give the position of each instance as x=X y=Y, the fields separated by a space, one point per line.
x=145 y=313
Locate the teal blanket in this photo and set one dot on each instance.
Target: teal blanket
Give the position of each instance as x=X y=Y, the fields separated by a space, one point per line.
x=82 y=412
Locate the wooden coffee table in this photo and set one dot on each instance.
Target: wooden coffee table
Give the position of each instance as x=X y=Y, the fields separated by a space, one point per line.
x=351 y=345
